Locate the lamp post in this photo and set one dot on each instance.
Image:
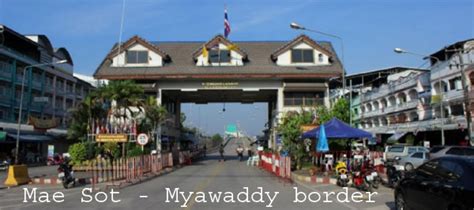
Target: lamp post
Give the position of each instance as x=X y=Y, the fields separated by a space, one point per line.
x=21 y=103
x=296 y=26
x=441 y=105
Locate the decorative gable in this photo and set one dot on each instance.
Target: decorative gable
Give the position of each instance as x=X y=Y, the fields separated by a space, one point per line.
x=137 y=52
x=302 y=51
x=219 y=51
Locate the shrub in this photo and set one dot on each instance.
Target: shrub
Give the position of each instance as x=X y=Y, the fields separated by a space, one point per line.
x=112 y=148
x=78 y=152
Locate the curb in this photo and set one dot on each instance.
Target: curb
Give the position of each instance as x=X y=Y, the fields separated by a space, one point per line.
x=313 y=179
x=56 y=181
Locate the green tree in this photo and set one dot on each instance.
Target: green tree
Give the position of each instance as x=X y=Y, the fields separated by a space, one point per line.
x=340 y=110
x=217 y=139
x=290 y=129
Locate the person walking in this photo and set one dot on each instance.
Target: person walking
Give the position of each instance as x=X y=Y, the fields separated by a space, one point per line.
x=221 y=152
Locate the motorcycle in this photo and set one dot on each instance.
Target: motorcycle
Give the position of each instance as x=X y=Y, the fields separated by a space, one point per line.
x=55 y=160
x=66 y=175
x=376 y=180
x=363 y=179
x=395 y=172
x=4 y=165
x=342 y=178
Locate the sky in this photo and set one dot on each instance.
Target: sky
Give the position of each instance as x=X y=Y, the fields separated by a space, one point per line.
x=370 y=29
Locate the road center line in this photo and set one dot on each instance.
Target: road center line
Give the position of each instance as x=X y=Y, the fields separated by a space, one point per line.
x=204 y=184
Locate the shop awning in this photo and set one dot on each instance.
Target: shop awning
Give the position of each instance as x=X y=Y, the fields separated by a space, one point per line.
x=31 y=137
x=395 y=137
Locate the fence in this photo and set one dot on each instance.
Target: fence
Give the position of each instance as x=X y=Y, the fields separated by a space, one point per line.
x=276 y=164
x=128 y=169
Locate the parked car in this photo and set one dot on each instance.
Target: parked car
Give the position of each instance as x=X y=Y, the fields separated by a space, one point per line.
x=442 y=183
x=414 y=160
x=401 y=150
x=443 y=151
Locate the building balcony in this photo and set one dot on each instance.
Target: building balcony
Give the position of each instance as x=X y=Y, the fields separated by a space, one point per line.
x=5 y=99
x=60 y=91
x=401 y=107
x=403 y=84
x=5 y=74
x=450 y=123
x=36 y=107
x=36 y=84
x=453 y=95
x=373 y=113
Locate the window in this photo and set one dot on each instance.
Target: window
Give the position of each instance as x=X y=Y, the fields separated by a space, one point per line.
x=302 y=56
x=436 y=149
x=457 y=110
x=450 y=170
x=411 y=150
x=455 y=151
x=417 y=155
x=396 y=149
x=320 y=58
x=304 y=98
x=219 y=56
x=455 y=83
x=137 y=56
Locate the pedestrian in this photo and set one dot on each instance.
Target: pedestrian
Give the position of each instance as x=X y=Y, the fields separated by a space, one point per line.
x=221 y=151
x=249 y=152
x=204 y=148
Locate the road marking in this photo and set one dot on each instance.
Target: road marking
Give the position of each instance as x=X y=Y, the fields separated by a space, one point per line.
x=143 y=196
x=204 y=184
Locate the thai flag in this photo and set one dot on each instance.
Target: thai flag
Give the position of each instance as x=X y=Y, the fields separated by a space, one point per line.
x=226 y=24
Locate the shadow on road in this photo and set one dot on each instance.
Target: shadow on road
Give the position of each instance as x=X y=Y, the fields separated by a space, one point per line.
x=390 y=205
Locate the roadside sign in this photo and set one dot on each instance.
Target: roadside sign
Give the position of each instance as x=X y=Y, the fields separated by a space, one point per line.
x=111 y=138
x=142 y=139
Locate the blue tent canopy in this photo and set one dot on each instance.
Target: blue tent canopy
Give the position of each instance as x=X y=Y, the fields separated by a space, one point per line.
x=337 y=129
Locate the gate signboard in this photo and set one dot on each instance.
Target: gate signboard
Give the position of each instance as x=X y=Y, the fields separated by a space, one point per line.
x=111 y=138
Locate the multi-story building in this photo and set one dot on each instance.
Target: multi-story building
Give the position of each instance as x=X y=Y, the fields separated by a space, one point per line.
x=360 y=83
x=49 y=90
x=450 y=91
x=396 y=104
x=401 y=101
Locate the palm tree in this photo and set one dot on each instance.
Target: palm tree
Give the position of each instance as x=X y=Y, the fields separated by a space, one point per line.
x=125 y=94
x=154 y=116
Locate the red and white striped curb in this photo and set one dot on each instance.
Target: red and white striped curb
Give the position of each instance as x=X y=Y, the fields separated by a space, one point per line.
x=313 y=179
x=56 y=181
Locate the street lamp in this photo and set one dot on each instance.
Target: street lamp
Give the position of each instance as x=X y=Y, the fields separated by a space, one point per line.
x=21 y=103
x=297 y=26
x=441 y=107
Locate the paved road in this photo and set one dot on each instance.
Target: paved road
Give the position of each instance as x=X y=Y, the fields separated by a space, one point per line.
x=206 y=176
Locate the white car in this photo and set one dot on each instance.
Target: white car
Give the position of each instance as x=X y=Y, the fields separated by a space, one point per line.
x=414 y=160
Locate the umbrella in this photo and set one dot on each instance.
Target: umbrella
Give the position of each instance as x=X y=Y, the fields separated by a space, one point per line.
x=322 y=140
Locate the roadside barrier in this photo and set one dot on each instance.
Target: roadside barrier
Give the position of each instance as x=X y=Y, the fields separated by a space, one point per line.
x=186 y=156
x=129 y=169
x=276 y=164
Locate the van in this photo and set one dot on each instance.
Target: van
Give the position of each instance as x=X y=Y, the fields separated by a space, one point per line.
x=401 y=151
